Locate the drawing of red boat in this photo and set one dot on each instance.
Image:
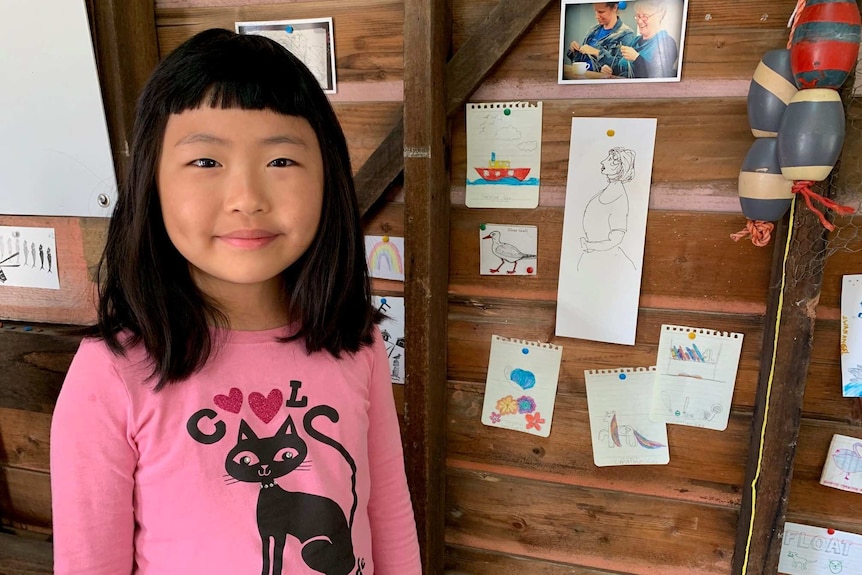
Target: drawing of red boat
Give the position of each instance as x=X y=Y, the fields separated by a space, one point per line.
x=499 y=169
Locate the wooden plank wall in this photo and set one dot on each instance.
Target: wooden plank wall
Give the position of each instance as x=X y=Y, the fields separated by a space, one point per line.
x=517 y=503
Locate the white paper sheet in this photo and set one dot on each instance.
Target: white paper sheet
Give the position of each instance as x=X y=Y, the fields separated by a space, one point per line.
x=504 y=154
x=55 y=156
x=696 y=374
x=807 y=550
x=843 y=467
x=28 y=258
x=508 y=250
x=385 y=257
x=607 y=198
x=521 y=386
x=620 y=427
x=851 y=335
x=392 y=329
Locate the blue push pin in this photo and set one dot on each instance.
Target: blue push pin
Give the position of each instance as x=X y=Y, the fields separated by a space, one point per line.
x=622 y=376
x=289 y=29
x=525 y=351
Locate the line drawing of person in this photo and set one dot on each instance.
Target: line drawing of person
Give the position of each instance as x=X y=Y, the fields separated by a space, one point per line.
x=601 y=46
x=606 y=214
x=26 y=253
x=653 y=52
x=33 y=254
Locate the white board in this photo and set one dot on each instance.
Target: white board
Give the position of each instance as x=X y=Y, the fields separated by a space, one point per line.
x=55 y=156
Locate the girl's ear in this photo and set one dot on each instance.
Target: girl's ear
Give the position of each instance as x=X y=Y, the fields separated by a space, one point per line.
x=245 y=431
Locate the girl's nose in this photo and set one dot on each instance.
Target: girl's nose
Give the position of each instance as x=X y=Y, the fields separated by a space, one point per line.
x=246 y=193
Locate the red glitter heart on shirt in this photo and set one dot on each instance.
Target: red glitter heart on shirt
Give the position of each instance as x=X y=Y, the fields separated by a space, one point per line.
x=265 y=407
x=231 y=402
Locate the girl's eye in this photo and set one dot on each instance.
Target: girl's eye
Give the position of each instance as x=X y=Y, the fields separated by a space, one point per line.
x=280 y=163
x=204 y=163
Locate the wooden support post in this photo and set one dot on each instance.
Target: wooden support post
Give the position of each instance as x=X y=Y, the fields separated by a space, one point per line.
x=426 y=214
x=797 y=274
x=127 y=51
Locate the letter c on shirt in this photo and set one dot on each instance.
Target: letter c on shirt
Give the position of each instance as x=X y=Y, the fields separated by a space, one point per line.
x=201 y=437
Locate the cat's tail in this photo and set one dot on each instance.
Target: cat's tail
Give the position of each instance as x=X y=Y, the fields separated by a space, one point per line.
x=332 y=415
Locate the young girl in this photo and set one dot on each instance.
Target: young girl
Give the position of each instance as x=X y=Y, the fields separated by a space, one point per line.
x=233 y=413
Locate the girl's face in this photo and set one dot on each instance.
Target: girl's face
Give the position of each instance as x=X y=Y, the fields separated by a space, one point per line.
x=241 y=193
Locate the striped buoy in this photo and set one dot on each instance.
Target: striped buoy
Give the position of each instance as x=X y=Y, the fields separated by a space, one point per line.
x=764 y=193
x=769 y=93
x=824 y=44
x=811 y=134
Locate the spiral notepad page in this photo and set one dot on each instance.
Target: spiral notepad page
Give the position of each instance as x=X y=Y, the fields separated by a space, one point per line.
x=504 y=154
x=521 y=385
x=695 y=376
x=621 y=429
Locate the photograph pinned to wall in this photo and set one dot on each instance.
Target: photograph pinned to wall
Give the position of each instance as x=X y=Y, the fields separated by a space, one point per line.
x=851 y=336
x=809 y=550
x=639 y=41
x=385 y=257
x=843 y=467
x=310 y=40
x=696 y=374
x=504 y=155
x=28 y=258
x=392 y=330
x=508 y=250
x=620 y=427
x=604 y=227
x=521 y=385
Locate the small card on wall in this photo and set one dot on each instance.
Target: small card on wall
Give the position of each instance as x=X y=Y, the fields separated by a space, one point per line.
x=521 y=385
x=504 y=154
x=508 y=250
x=385 y=257
x=28 y=257
x=695 y=377
x=392 y=331
x=620 y=427
x=807 y=550
x=851 y=336
x=843 y=467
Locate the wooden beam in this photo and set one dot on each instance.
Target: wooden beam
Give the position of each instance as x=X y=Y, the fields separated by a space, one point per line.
x=797 y=273
x=426 y=217
x=489 y=44
x=126 y=48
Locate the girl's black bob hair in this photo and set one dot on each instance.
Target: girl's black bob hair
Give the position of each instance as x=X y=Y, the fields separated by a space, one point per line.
x=146 y=292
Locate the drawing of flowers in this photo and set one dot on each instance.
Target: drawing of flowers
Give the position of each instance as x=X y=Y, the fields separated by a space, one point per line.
x=534 y=421
x=526 y=404
x=507 y=405
x=495 y=417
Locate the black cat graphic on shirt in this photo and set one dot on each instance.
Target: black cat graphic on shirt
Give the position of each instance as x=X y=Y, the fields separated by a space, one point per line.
x=316 y=521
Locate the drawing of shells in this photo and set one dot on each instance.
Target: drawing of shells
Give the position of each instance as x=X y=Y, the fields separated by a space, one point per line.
x=521 y=377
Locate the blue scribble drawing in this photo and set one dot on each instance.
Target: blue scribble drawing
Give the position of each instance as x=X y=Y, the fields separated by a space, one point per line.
x=848 y=460
x=853 y=388
x=521 y=377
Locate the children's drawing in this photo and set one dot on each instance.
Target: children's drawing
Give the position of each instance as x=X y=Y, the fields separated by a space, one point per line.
x=392 y=331
x=843 y=466
x=851 y=335
x=504 y=142
x=696 y=374
x=521 y=385
x=385 y=257
x=607 y=199
x=620 y=427
x=809 y=550
x=606 y=215
x=503 y=247
x=26 y=257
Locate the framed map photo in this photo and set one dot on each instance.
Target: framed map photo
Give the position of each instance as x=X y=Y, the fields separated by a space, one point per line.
x=309 y=40
x=638 y=41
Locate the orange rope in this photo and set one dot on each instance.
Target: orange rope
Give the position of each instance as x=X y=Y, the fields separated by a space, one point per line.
x=804 y=187
x=760 y=232
x=800 y=4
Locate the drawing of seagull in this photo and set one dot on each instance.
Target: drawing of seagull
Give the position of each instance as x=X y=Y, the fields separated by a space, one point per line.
x=506 y=252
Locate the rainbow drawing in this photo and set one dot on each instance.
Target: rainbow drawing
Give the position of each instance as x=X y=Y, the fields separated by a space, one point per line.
x=384 y=259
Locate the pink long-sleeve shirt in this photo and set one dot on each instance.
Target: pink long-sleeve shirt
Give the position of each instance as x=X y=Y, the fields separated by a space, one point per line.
x=268 y=460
